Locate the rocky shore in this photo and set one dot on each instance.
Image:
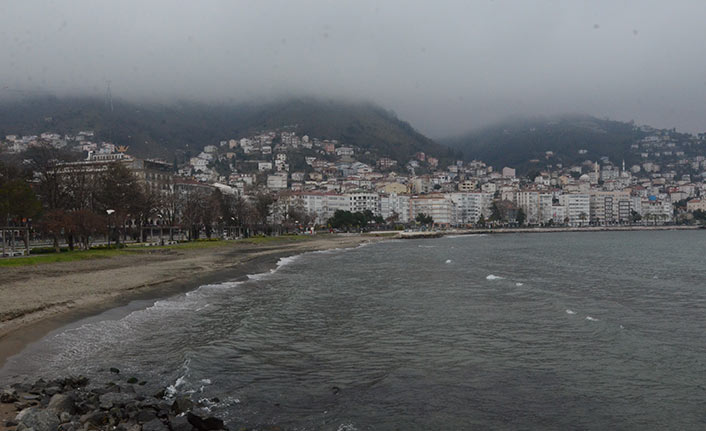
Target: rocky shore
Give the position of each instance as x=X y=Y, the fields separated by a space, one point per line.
x=73 y=404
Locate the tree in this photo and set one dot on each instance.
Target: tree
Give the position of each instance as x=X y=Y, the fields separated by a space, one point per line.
x=424 y=219
x=17 y=201
x=192 y=205
x=501 y=210
x=85 y=225
x=148 y=204
x=635 y=216
x=583 y=216
x=263 y=207
x=346 y=219
x=481 y=221
x=120 y=191
x=393 y=218
x=520 y=216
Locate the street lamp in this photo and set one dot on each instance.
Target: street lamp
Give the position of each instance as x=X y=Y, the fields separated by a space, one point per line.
x=109 y=214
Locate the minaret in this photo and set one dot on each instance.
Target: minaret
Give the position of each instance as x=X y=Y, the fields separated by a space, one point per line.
x=623 y=165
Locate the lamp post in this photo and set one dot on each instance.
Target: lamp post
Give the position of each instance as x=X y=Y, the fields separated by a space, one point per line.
x=110 y=212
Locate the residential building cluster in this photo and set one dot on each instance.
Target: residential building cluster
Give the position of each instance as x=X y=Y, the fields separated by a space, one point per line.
x=322 y=176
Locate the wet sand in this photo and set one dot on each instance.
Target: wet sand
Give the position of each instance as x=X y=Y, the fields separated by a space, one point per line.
x=38 y=299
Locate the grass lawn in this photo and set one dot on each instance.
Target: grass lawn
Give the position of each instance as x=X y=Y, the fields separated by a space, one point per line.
x=98 y=253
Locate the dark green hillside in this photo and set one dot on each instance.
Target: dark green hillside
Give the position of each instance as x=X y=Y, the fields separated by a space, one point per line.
x=517 y=142
x=154 y=130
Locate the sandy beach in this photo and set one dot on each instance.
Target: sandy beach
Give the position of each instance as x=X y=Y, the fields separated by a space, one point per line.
x=39 y=298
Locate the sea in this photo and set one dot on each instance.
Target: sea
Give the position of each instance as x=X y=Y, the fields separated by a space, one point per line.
x=552 y=331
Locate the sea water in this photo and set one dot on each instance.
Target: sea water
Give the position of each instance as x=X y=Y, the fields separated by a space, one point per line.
x=520 y=331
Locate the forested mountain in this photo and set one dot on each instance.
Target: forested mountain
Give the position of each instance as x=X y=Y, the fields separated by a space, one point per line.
x=571 y=139
x=163 y=130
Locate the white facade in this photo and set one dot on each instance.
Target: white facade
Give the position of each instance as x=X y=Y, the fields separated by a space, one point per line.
x=440 y=207
x=578 y=208
x=277 y=182
x=470 y=206
x=395 y=204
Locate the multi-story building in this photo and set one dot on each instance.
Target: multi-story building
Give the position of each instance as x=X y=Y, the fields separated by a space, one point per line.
x=610 y=207
x=578 y=208
x=359 y=202
x=696 y=205
x=277 y=181
x=529 y=202
x=395 y=205
x=470 y=206
x=439 y=206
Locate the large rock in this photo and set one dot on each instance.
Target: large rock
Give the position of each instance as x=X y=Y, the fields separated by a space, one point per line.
x=96 y=418
x=8 y=396
x=62 y=403
x=182 y=405
x=144 y=416
x=37 y=419
x=107 y=401
x=205 y=424
x=154 y=425
x=179 y=423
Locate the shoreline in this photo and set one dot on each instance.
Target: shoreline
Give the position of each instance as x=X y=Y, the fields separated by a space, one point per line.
x=441 y=233
x=156 y=280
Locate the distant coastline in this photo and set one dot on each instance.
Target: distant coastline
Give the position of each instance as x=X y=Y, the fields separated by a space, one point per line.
x=441 y=233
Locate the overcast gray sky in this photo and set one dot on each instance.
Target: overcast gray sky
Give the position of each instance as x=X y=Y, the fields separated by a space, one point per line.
x=445 y=66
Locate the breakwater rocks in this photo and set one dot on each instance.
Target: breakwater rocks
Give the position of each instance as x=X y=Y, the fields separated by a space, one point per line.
x=71 y=404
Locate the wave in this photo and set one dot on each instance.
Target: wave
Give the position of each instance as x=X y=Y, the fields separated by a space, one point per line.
x=518 y=284
x=568 y=311
x=466 y=235
x=448 y=261
x=494 y=277
x=592 y=319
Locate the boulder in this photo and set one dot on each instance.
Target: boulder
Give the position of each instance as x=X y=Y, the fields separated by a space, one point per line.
x=37 y=419
x=205 y=424
x=154 y=425
x=107 y=401
x=64 y=417
x=144 y=416
x=182 y=405
x=8 y=396
x=180 y=423
x=62 y=403
x=97 y=418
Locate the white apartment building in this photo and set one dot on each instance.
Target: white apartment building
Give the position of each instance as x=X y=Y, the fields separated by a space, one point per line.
x=578 y=208
x=439 y=206
x=470 y=206
x=359 y=202
x=546 y=211
x=277 y=181
x=529 y=202
x=610 y=207
x=394 y=203
x=656 y=210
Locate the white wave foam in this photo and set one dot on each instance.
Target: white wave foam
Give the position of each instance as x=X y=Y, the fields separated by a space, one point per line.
x=427 y=246
x=467 y=235
x=592 y=319
x=570 y=311
x=448 y=261
x=518 y=284
x=172 y=390
x=494 y=277
x=347 y=427
x=287 y=260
